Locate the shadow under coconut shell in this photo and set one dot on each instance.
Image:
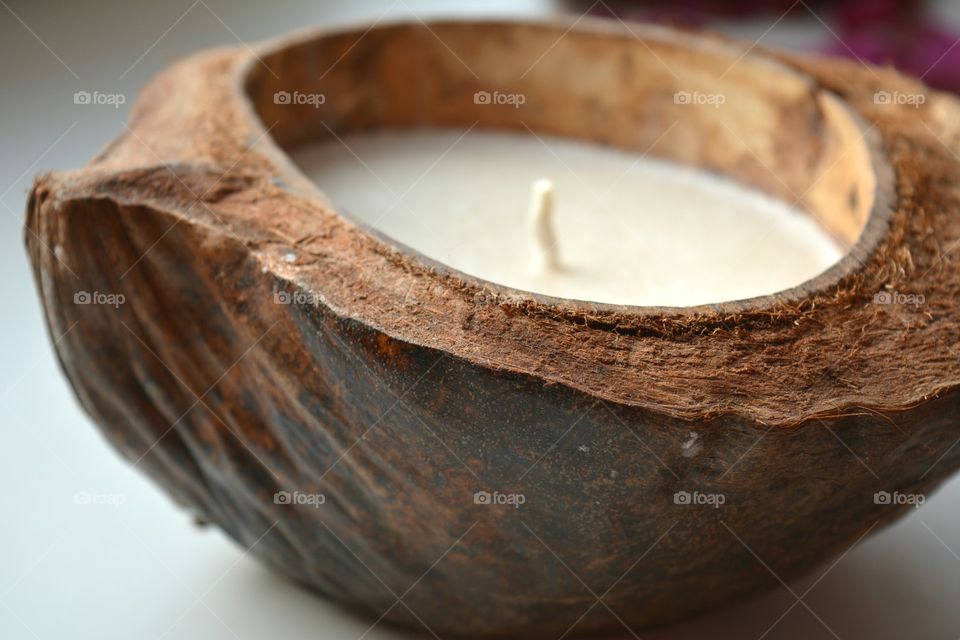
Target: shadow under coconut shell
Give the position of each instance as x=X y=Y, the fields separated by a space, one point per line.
x=296 y=611
x=871 y=592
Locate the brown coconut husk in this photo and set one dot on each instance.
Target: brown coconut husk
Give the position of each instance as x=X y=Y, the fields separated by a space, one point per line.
x=400 y=387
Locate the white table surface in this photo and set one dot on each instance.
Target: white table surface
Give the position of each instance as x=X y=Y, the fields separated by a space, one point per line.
x=140 y=569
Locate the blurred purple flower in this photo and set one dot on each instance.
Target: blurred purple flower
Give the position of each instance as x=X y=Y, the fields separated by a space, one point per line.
x=687 y=12
x=886 y=32
x=898 y=33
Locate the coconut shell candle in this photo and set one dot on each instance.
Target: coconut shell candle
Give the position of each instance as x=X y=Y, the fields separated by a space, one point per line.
x=605 y=226
x=446 y=452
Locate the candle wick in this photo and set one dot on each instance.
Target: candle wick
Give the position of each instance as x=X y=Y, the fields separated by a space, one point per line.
x=543 y=255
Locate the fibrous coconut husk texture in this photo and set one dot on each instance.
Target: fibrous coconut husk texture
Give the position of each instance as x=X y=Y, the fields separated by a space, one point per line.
x=267 y=344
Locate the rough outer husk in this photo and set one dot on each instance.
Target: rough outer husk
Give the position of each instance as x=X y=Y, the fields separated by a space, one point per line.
x=399 y=389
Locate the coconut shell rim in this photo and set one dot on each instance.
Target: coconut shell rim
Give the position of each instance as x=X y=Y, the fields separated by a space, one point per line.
x=553 y=329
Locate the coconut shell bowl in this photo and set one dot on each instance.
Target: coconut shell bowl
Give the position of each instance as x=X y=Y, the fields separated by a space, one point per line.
x=448 y=454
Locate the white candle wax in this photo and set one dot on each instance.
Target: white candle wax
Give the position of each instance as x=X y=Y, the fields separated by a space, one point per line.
x=625 y=229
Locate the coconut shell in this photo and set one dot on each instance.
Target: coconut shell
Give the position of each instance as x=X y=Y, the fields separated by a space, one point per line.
x=260 y=342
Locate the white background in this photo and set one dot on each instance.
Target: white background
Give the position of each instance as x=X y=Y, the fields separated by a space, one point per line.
x=141 y=569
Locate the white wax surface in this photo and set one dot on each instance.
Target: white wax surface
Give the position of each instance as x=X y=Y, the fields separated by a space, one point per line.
x=630 y=230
